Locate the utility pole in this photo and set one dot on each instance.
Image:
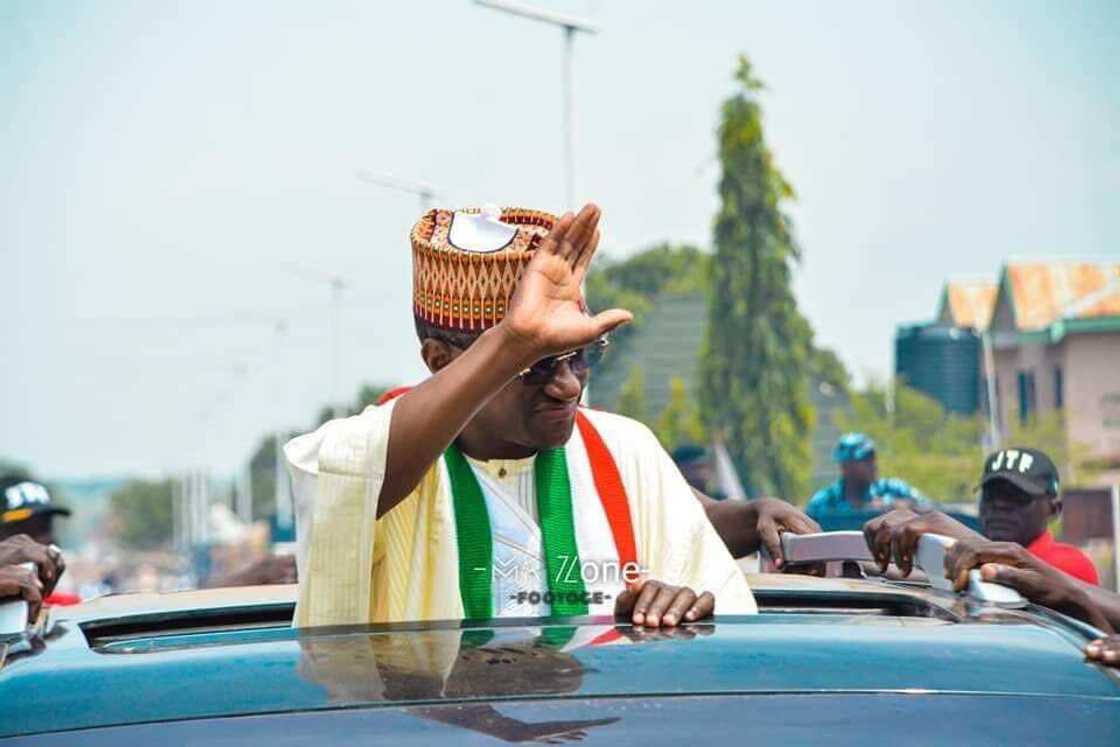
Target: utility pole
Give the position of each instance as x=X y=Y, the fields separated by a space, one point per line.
x=569 y=25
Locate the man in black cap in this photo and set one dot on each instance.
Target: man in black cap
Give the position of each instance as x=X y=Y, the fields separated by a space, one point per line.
x=1020 y=494
x=26 y=508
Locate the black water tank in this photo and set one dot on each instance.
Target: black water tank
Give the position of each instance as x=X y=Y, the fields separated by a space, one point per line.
x=943 y=362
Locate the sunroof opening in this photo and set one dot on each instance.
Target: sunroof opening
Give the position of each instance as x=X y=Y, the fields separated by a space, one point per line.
x=100 y=633
x=802 y=601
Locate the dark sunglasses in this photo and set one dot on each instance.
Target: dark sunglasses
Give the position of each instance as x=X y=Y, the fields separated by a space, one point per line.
x=579 y=361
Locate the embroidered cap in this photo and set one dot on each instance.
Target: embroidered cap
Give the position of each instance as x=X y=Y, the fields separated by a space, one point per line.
x=466 y=263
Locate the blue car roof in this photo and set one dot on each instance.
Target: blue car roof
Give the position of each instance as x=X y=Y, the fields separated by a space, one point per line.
x=814 y=637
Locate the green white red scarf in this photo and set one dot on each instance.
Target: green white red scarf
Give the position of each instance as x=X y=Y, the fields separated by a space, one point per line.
x=554 y=507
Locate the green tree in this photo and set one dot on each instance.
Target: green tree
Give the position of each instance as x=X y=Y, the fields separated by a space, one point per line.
x=632 y=398
x=13 y=469
x=141 y=512
x=662 y=268
x=826 y=367
x=758 y=349
x=367 y=395
x=939 y=452
x=635 y=283
x=262 y=465
x=1048 y=433
x=680 y=421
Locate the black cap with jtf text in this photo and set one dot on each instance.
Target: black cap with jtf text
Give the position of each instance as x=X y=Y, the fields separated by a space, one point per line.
x=21 y=499
x=1029 y=470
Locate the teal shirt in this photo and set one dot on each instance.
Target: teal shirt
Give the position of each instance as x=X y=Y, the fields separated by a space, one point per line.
x=882 y=495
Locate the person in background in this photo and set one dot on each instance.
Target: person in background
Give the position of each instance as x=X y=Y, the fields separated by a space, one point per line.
x=744 y=526
x=695 y=463
x=859 y=488
x=1019 y=496
x=26 y=508
x=27 y=515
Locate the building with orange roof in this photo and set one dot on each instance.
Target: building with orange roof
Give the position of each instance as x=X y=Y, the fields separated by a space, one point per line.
x=1050 y=332
x=1054 y=338
x=968 y=303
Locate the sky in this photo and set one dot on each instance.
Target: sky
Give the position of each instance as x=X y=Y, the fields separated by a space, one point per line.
x=178 y=181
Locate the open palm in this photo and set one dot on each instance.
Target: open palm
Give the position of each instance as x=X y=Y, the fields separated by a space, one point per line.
x=547 y=308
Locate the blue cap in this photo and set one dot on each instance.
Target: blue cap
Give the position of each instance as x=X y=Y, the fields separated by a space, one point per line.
x=853 y=447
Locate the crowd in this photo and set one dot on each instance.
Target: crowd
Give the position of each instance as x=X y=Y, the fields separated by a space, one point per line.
x=419 y=508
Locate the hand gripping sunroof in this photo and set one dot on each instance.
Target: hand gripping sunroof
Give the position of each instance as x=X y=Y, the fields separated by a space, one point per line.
x=13 y=614
x=930 y=558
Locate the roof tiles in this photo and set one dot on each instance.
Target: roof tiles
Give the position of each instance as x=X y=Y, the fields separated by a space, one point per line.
x=1044 y=292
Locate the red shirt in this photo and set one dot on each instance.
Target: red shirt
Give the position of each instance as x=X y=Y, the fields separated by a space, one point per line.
x=1064 y=557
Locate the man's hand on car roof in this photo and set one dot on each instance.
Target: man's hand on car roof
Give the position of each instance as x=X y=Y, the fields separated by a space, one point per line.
x=748 y=526
x=17 y=582
x=659 y=605
x=1105 y=651
x=20 y=548
x=894 y=535
x=1011 y=564
x=773 y=516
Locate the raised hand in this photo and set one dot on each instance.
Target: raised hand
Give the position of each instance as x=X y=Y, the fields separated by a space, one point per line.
x=546 y=313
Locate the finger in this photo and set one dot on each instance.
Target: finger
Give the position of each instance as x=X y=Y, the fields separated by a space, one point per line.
x=1026 y=582
x=655 y=616
x=682 y=603
x=607 y=321
x=870 y=534
x=959 y=560
x=799 y=523
x=578 y=234
x=582 y=231
x=905 y=541
x=646 y=596
x=583 y=261
x=772 y=541
x=703 y=607
x=881 y=547
x=31 y=590
x=963 y=557
x=624 y=604
x=33 y=552
x=551 y=243
x=959 y=574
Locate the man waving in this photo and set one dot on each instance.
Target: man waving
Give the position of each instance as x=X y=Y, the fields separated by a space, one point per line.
x=486 y=491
